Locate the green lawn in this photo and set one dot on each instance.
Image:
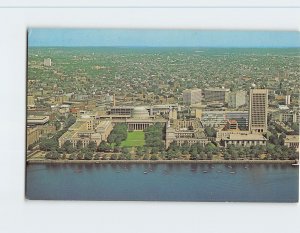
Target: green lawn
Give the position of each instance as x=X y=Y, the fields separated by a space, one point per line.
x=134 y=139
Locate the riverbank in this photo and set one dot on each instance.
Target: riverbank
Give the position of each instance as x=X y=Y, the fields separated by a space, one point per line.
x=46 y=161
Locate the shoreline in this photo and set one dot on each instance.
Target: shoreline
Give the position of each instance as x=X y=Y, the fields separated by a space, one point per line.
x=161 y=161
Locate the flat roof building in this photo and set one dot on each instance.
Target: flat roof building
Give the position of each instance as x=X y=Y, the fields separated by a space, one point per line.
x=192 y=96
x=237 y=99
x=246 y=140
x=216 y=95
x=292 y=141
x=47 y=62
x=37 y=120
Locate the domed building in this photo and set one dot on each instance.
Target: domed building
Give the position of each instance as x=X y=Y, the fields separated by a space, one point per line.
x=140 y=113
x=140 y=119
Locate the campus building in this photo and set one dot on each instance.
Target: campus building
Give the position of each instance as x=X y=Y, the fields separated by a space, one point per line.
x=216 y=95
x=37 y=120
x=245 y=140
x=292 y=141
x=219 y=118
x=35 y=133
x=185 y=131
x=258 y=106
x=47 y=62
x=140 y=119
x=237 y=99
x=87 y=130
x=192 y=96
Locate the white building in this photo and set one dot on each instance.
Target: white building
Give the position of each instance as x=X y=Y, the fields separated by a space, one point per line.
x=47 y=62
x=237 y=99
x=192 y=96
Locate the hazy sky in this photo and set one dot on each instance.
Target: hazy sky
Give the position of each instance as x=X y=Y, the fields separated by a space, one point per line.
x=161 y=38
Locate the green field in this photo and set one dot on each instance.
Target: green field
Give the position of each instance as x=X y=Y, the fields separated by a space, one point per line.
x=134 y=139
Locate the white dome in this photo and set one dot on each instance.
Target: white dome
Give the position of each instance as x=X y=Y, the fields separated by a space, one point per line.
x=140 y=112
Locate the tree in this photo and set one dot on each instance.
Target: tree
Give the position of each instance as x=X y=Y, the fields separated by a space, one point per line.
x=194 y=154
x=68 y=147
x=52 y=155
x=103 y=146
x=281 y=139
x=57 y=125
x=80 y=156
x=48 y=155
x=117 y=149
x=64 y=156
x=48 y=144
x=202 y=155
x=72 y=156
x=210 y=132
x=209 y=155
x=92 y=146
x=88 y=155
x=118 y=134
x=111 y=138
x=226 y=155
x=154 y=150
x=154 y=136
x=185 y=148
x=154 y=157
x=139 y=151
x=124 y=150
x=79 y=145
x=70 y=121
x=114 y=157
x=118 y=141
x=210 y=148
x=96 y=156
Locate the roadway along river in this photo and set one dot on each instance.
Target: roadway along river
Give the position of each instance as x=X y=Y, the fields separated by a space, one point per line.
x=163 y=182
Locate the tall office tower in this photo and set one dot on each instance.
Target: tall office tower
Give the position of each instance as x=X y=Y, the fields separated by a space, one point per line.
x=237 y=99
x=287 y=99
x=258 y=107
x=192 y=96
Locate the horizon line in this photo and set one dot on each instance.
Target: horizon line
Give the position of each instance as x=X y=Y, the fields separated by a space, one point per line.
x=133 y=46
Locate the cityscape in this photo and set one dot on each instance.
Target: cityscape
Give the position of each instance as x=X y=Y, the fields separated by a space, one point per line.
x=73 y=111
x=151 y=105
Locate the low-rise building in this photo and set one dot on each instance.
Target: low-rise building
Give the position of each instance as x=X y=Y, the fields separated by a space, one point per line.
x=237 y=99
x=292 y=141
x=33 y=136
x=216 y=95
x=87 y=130
x=246 y=140
x=185 y=131
x=37 y=120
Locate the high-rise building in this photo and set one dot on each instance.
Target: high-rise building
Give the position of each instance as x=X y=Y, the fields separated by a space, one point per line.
x=287 y=99
x=216 y=95
x=237 y=99
x=192 y=96
x=258 y=107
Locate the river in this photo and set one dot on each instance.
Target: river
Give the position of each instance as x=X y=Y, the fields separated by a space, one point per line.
x=163 y=182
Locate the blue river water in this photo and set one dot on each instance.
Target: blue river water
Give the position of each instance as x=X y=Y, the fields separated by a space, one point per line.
x=163 y=182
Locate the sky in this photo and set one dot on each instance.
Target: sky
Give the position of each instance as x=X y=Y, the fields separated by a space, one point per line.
x=160 y=38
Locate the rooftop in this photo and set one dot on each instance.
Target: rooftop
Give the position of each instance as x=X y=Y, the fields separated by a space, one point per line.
x=291 y=138
x=246 y=137
x=216 y=89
